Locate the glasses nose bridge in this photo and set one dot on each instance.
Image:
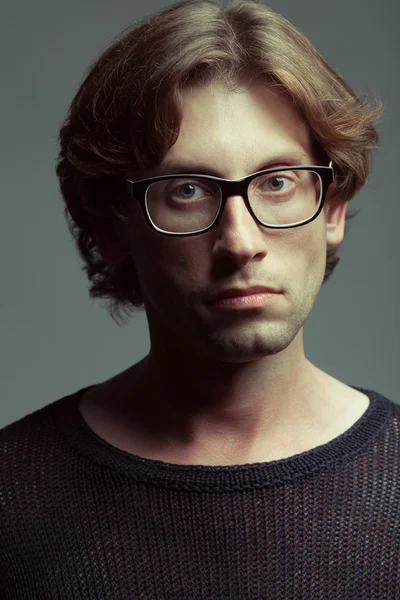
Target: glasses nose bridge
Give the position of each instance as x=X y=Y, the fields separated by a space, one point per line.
x=234 y=188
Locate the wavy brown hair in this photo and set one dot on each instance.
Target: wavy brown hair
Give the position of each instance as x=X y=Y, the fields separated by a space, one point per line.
x=127 y=114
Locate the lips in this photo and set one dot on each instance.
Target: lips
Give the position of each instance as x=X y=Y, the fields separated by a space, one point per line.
x=231 y=292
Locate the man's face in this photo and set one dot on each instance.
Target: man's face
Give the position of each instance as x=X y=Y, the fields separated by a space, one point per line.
x=233 y=134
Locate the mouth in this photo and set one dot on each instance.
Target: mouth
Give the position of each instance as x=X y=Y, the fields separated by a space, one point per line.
x=244 y=301
x=230 y=293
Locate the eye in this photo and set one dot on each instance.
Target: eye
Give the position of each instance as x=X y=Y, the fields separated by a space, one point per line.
x=276 y=183
x=185 y=191
x=188 y=190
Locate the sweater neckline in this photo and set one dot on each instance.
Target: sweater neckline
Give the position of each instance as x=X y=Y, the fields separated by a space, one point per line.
x=346 y=447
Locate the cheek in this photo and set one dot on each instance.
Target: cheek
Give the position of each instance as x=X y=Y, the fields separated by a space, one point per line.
x=315 y=257
x=303 y=257
x=166 y=264
x=163 y=253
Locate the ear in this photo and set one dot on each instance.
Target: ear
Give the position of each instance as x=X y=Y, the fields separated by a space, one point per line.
x=335 y=219
x=109 y=239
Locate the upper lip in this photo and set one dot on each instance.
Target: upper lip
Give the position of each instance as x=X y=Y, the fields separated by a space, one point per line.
x=230 y=292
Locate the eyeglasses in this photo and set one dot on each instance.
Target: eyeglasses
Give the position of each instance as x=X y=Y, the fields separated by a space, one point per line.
x=190 y=204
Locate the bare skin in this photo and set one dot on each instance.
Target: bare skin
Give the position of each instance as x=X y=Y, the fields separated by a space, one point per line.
x=144 y=434
x=234 y=389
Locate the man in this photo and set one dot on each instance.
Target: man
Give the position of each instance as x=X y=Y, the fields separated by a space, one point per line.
x=217 y=374
x=224 y=464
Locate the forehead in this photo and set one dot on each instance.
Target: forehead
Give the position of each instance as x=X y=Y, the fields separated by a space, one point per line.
x=232 y=131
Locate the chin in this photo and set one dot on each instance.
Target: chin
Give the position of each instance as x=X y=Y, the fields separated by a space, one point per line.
x=245 y=346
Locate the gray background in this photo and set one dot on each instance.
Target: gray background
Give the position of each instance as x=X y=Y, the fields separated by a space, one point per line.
x=54 y=339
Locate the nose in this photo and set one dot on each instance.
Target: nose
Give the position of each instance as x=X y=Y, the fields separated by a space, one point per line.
x=237 y=234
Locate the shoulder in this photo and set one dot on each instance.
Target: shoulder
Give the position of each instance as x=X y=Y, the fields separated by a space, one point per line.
x=29 y=447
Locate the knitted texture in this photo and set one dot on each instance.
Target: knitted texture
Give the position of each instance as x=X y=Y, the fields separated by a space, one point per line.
x=81 y=519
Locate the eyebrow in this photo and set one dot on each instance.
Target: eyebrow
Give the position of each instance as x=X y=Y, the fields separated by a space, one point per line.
x=185 y=167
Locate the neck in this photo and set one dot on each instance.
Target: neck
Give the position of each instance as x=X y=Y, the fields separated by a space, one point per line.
x=192 y=404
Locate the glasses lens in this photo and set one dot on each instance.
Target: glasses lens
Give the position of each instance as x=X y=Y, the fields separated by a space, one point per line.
x=188 y=205
x=183 y=205
x=285 y=197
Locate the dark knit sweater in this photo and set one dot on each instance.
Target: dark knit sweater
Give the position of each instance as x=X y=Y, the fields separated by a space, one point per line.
x=80 y=518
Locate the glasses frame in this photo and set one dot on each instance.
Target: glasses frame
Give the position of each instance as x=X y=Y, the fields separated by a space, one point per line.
x=230 y=187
